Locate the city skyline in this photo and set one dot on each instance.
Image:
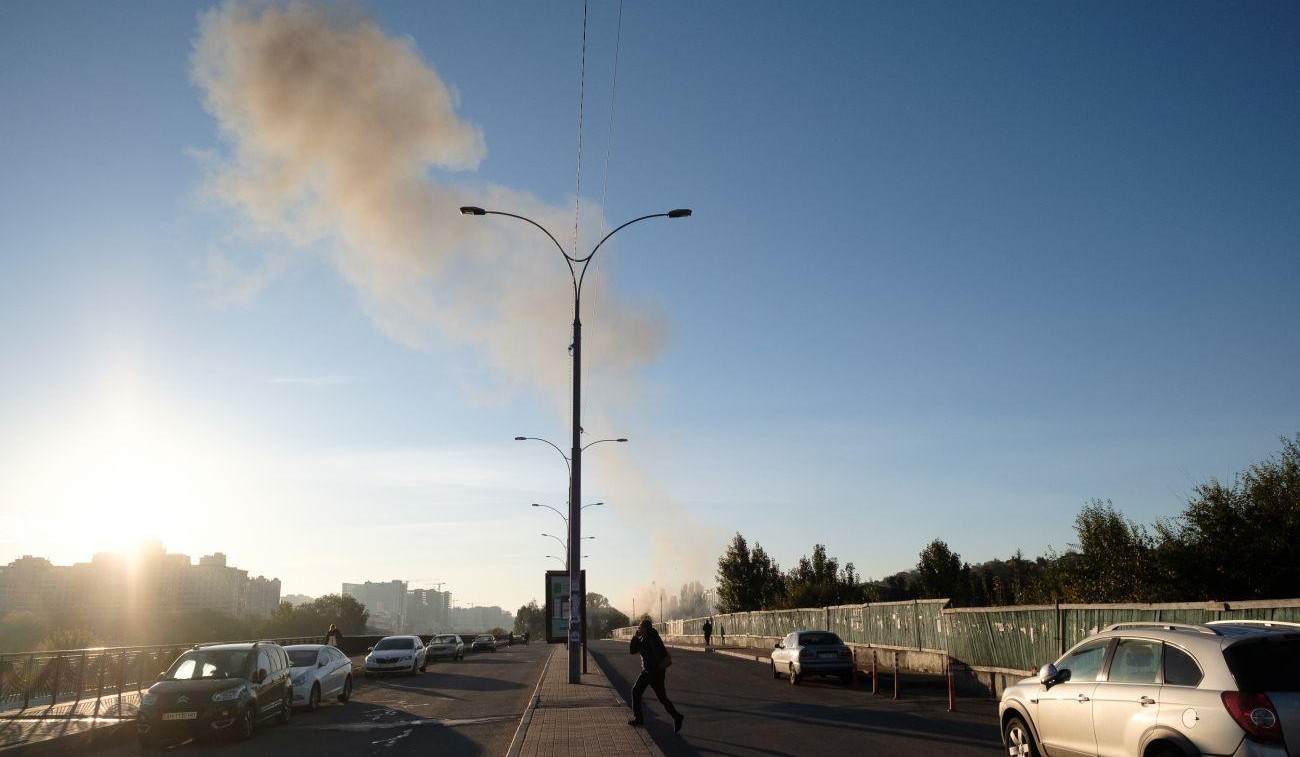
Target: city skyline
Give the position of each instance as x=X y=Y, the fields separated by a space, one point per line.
x=952 y=272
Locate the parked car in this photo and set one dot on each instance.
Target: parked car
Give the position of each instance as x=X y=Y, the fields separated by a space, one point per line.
x=1162 y=689
x=318 y=671
x=447 y=645
x=396 y=654
x=484 y=642
x=812 y=653
x=217 y=689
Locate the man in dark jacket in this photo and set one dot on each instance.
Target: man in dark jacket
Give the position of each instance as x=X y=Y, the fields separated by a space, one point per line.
x=334 y=637
x=708 y=632
x=654 y=669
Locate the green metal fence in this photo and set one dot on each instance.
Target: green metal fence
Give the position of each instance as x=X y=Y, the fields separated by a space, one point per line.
x=1016 y=638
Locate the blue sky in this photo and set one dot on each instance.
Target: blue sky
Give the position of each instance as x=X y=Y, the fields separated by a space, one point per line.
x=953 y=271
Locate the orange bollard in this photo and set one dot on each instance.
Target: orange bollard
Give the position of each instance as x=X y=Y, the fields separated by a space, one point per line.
x=874 y=678
x=952 y=691
x=895 y=675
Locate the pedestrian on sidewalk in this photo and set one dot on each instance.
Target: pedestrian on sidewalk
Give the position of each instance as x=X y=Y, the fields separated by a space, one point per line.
x=334 y=637
x=708 y=632
x=722 y=631
x=654 y=670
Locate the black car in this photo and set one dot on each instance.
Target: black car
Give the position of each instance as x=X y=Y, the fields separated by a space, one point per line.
x=217 y=689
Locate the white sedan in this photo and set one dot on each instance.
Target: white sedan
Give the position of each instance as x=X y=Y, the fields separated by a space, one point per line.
x=396 y=654
x=318 y=671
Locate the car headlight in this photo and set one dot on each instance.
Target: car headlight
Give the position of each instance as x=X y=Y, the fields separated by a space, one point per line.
x=300 y=679
x=228 y=695
x=149 y=698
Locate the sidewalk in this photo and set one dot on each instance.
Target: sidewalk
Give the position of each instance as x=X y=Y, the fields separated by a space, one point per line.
x=578 y=720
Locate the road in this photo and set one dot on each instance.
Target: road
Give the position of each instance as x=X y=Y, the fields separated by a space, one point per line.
x=456 y=709
x=734 y=708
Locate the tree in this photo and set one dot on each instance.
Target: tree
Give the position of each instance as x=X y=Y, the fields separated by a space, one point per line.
x=747 y=580
x=69 y=638
x=1114 y=556
x=531 y=619
x=350 y=615
x=21 y=631
x=602 y=617
x=939 y=572
x=819 y=582
x=1238 y=541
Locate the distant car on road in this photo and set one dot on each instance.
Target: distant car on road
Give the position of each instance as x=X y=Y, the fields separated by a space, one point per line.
x=447 y=645
x=217 y=689
x=318 y=671
x=812 y=653
x=396 y=654
x=503 y=641
x=484 y=642
x=1229 y=687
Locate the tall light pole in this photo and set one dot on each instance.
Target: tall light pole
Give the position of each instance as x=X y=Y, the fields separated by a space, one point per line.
x=578 y=273
x=557 y=512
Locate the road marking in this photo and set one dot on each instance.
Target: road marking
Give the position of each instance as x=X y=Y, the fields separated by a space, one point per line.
x=374 y=726
x=385 y=743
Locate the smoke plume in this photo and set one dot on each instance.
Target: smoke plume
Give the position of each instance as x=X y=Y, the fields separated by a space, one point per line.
x=341 y=142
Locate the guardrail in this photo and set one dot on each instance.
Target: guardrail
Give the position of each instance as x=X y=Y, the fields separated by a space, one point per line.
x=70 y=677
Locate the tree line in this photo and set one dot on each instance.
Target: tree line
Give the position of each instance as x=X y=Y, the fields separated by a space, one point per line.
x=27 y=631
x=1234 y=540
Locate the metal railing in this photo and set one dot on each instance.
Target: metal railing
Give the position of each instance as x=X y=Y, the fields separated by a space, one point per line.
x=65 y=679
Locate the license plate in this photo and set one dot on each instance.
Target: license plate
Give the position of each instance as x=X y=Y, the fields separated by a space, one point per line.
x=180 y=716
x=826 y=655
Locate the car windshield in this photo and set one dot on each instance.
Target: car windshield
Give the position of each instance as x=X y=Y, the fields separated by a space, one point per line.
x=402 y=643
x=1266 y=665
x=484 y=638
x=821 y=637
x=209 y=664
x=301 y=658
x=444 y=640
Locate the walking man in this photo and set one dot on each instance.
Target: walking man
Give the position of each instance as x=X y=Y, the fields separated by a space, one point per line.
x=334 y=637
x=654 y=669
x=708 y=632
x=722 y=630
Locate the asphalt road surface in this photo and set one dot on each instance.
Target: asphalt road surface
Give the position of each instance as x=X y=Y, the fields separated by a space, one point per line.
x=734 y=708
x=455 y=709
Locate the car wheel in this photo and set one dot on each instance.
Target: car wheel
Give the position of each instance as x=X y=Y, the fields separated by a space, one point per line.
x=244 y=728
x=775 y=674
x=286 y=709
x=313 y=699
x=846 y=679
x=794 y=676
x=1019 y=740
x=425 y=666
x=346 y=694
x=415 y=667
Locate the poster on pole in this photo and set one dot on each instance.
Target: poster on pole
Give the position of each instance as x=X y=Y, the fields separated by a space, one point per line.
x=557 y=605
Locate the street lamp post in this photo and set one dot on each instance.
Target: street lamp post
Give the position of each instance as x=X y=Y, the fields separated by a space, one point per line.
x=575 y=459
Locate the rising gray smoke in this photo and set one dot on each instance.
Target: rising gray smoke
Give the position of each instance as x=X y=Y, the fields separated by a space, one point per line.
x=341 y=142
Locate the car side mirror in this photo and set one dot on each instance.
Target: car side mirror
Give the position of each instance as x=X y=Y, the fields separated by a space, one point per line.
x=370 y=649
x=320 y=664
x=260 y=675
x=778 y=645
x=1048 y=674
x=161 y=675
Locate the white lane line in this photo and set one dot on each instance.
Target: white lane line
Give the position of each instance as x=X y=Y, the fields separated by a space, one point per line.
x=375 y=726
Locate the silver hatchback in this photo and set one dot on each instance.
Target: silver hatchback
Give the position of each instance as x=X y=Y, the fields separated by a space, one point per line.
x=1163 y=690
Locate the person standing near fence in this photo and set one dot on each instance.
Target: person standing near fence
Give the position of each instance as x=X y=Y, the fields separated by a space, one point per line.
x=654 y=671
x=334 y=637
x=708 y=632
x=722 y=631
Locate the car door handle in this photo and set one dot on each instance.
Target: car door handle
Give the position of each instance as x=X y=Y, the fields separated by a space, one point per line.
x=1083 y=698
x=1146 y=701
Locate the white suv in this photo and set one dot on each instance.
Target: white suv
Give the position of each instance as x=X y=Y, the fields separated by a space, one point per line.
x=1163 y=690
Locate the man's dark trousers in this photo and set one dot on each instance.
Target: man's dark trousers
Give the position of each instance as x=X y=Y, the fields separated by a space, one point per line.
x=708 y=638
x=655 y=680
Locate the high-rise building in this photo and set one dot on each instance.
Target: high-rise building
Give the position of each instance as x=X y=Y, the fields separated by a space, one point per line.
x=428 y=611
x=144 y=582
x=385 y=600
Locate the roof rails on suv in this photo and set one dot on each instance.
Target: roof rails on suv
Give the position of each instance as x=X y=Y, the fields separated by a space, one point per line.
x=1251 y=622
x=1164 y=626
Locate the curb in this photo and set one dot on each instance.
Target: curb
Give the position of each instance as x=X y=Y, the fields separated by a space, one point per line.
x=526 y=720
x=101 y=736
x=723 y=652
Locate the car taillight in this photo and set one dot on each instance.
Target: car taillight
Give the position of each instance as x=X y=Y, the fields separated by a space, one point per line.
x=1254 y=713
x=845 y=654
x=805 y=654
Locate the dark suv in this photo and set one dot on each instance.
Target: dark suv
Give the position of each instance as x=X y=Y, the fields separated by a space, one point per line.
x=219 y=688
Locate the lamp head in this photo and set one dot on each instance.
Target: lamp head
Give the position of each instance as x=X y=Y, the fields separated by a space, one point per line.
x=620 y=440
x=521 y=438
x=470 y=210
x=678 y=213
